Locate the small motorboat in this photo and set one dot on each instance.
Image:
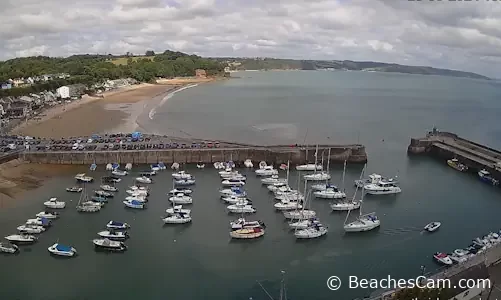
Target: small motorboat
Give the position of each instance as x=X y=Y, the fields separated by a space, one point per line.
x=230 y=164
x=181 y=175
x=175 y=166
x=303 y=224
x=89 y=206
x=118 y=172
x=486 y=176
x=93 y=167
x=242 y=223
x=317 y=176
x=278 y=188
x=248 y=163
x=177 y=209
x=345 y=205
x=104 y=194
x=31 y=229
x=218 y=165
x=83 y=178
x=109 y=167
x=39 y=222
x=233 y=182
x=233 y=191
x=148 y=173
x=373 y=179
x=181 y=199
x=144 y=179
x=262 y=165
x=177 y=218
x=134 y=204
x=315 y=231
x=238 y=177
x=8 y=248
x=108 y=188
x=109 y=245
x=458 y=259
x=309 y=167
x=74 y=189
x=99 y=199
x=247 y=233
x=283 y=167
x=442 y=258
x=383 y=187
x=273 y=179
x=111 y=179
x=266 y=171
x=161 y=166
x=115 y=166
x=177 y=191
x=135 y=190
x=288 y=205
x=241 y=207
x=139 y=198
x=455 y=164
x=128 y=166
x=432 y=226
x=300 y=214
x=200 y=165
x=62 y=250
x=21 y=238
x=331 y=192
x=48 y=215
x=236 y=199
x=54 y=204
x=155 y=167
x=117 y=225
x=113 y=234
x=461 y=252
x=184 y=182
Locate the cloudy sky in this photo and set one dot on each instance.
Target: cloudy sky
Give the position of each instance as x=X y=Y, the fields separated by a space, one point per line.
x=449 y=34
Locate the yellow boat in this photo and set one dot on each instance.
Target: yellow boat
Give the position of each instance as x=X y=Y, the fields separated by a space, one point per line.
x=455 y=164
x=247 y=233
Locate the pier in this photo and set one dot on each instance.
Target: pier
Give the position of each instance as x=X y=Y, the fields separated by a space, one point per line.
x=449 y=145
x=192 y=152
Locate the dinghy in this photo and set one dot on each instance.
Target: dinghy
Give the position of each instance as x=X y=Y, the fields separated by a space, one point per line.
x=177 y=191
x=262 y=164
x=118 y=172
x=175 y=166
x=241 y=207
x=113 y=235
x=117 y=225
x=233 y=191
x=283 y=167
x=442 y=258
x=74 y=189
x=62 y=250
x=247 y=233
x=432 y=226
x=21 y=238
x=109 y=245
x=83 y=178
x=181 y=175
x=242 y=223
x=30 y=229
x=6 y=247
x=232 y=182
x=218 y=165
x=177 y=209
x=177 y=218
x=54 y=204
x=181 y=199
x=134 y=204
x=144 y=179
x=47 y=215
x=315 y=231
x=248 y=163
x=104 y=194
x=200 y=165
x=184 y=182
x=108 y=188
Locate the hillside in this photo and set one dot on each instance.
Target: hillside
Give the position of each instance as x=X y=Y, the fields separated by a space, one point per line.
x=287 y=64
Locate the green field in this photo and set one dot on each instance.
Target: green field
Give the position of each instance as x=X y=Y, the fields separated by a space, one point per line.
x=123 y=60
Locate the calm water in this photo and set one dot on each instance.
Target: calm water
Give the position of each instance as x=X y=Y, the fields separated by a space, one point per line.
x=199 y=261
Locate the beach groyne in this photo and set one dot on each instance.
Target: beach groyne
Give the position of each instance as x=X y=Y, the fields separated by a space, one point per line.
x=270 y=154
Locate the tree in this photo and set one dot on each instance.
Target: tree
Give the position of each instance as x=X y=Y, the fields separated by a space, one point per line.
x=150 y=53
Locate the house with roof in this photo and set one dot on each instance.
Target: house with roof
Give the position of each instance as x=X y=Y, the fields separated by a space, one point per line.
x=17 y=110
x=5 y=85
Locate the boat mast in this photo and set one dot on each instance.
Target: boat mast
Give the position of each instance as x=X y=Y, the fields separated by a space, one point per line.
x=344 y=172
x=288 y=172
x=363 y=192
x=328 y=164
x=283 y=290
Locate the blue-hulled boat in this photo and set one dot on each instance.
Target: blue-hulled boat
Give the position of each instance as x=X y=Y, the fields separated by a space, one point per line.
x=117 y=225
x=485 y=176
x=99 y=199
x=115 y=166
x=134 y=204
x=162 y=166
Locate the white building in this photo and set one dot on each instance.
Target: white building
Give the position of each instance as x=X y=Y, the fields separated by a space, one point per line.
x=63 y=92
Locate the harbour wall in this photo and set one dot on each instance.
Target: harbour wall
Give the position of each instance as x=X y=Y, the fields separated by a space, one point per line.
x=275 y=155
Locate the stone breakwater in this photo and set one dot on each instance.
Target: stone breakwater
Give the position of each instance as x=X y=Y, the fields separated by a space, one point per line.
x=269 y=154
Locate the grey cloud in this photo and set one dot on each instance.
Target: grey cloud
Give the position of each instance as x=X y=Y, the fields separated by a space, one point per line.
x=465 y=36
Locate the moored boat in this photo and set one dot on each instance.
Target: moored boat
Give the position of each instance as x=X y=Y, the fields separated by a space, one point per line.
x=39 y=222
x=345 y=205
x=175 y=166
x=74 y=189
x=54 y=204
x=433 y=226
x=373 y=179
x=89 y=206
x=21 y=238
x=118 y=172
x=383 y=187
x=233 y=191
x=300 y=214
x=144 y=179
x=442 y=258
x=486 y=176
x=30 y=229
x=177 y=191
x=241 y=207
x=62 y=250
x=303 y=223
x=317 y=176
x=139 y=198
x=200 y=165
x=99 y=199
x=134 y=204
x=184 y=182
x=117 y=225
x=242 y=223
x=178 y=209
x=111 y=179
x=273 y=179
x=288 y=205
x=148 y=173
x=181 y=199
x=109 y=245
x=455 y=164
x=309 y=167
x=233 y=182
x=331 y=192
x=83 y=178
x=266 y=171
x=47 y=215
x=315 y=231
x=247 y=233
x=113 y=234
x=248 y=163
x=177 y=218
x=104 y=194
x=6 y=247
x=181 y=175
x=108 y=188
x=235 y=199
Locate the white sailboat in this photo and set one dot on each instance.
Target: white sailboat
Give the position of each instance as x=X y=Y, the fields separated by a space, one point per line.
x=331 y=191
x=273 y=180
x=309 y=167
x=241 y=207
x=177 y=218
x=318 y=176
x=248 y=163
x=177 y=209
x=144 y=179
x=310 y=229
x=347 y=205
x=266 y=171
x=84 y=205
x=363 y=222
x=181 y=175
x=181 y=199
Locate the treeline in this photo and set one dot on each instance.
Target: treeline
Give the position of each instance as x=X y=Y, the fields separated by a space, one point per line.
x=89 y=69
